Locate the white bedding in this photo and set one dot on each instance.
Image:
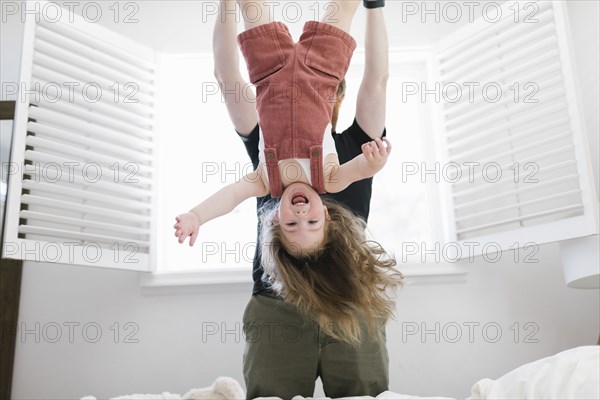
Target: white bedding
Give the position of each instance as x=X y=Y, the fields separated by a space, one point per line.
x=385 y=395
x=571 y=374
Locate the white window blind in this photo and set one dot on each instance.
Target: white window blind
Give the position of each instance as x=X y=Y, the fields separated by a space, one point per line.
x=82 y=184
x=517 y=166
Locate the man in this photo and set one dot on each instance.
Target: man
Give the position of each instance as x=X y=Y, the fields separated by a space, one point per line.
x=274 y=363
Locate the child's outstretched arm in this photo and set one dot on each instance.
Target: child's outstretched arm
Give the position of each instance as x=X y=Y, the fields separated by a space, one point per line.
x=220 y=203
x=373 y=158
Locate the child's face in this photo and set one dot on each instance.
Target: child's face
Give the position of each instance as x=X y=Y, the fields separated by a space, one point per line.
x=301 y=217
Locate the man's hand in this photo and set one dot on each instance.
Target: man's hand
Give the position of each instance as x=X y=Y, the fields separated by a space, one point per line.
x=376 y=154
x=187 y=225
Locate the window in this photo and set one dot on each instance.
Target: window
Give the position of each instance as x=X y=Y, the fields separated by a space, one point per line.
x=401 y=219
x=200 y=154
x=519 y=171
x=82 y=181
x=203 y=153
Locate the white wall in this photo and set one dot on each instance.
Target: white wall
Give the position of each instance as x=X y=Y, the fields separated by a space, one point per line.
x=10 y=52
x=170 y=354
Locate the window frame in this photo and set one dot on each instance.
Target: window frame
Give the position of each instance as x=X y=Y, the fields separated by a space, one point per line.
x=563 y=229
x=141 y=262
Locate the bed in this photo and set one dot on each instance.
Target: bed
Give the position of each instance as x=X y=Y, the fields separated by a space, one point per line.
x=571 y=374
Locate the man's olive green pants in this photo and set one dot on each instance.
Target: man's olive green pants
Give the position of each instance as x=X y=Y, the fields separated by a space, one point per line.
x=286 y=352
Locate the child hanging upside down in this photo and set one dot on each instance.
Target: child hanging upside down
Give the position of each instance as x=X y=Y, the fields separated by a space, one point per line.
x=296 y=85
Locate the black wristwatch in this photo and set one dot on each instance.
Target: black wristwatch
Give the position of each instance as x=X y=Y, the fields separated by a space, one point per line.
x=374 y=4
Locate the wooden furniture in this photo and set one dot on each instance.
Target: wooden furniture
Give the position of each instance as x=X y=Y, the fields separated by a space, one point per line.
x=10 y=292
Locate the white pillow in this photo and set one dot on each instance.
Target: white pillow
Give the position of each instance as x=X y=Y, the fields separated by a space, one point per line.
x=571 y=374
x=397 y=396
x=387 y=395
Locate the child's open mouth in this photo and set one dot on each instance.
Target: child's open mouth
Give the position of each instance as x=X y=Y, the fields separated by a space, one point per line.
x=299 y=199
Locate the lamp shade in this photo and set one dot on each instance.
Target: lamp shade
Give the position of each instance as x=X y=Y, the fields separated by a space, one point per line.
x=581 y=262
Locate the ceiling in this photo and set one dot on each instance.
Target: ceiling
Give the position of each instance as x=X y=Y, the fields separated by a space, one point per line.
x=185 y=26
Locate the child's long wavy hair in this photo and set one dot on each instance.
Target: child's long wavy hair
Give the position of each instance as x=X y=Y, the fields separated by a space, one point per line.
x=346 y=279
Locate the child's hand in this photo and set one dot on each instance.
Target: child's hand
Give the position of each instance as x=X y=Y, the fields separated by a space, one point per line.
x=376 y=153
x=187 y=224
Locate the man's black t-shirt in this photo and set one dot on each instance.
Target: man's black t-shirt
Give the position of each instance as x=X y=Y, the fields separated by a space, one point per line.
x=356 y=197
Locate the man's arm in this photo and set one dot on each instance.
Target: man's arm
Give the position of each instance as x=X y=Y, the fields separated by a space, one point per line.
x=240 y=104
x=371 y=103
